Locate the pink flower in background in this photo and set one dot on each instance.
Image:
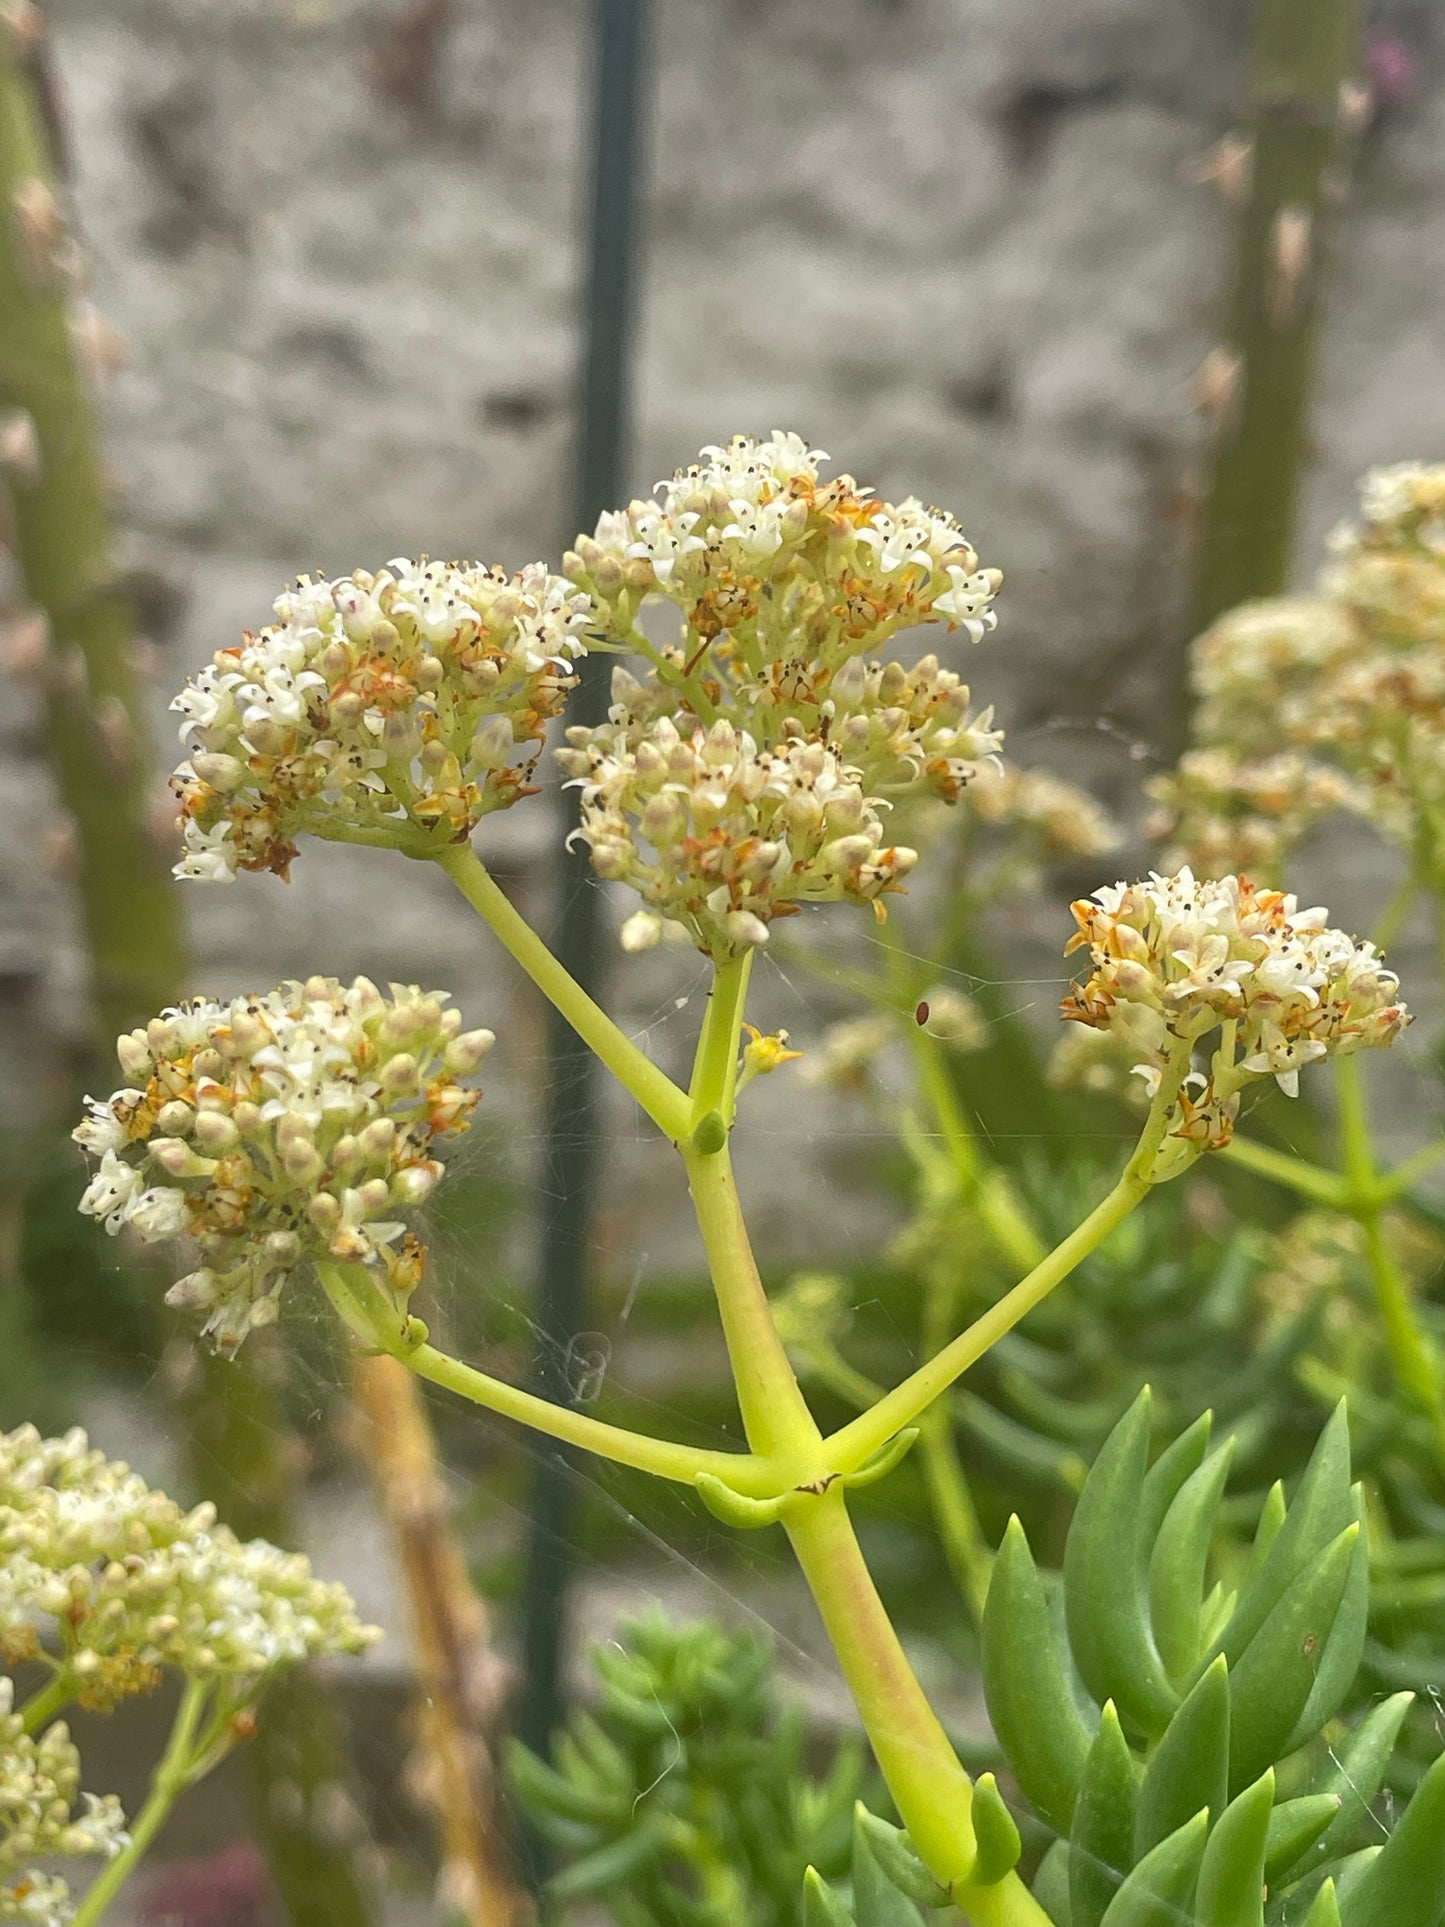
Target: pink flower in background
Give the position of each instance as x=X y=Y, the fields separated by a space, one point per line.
x=224 y=1889
x=1393 y=69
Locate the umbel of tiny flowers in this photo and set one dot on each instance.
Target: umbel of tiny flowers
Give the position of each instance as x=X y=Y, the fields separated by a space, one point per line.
x=1179 y=964
x=45 y=1816
x=275 y=1129
x=108 y=1581
x=418 y=697
x=746 y=771
x=1336 y=700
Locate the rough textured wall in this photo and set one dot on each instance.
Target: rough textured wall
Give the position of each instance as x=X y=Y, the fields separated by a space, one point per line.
x=954 y=241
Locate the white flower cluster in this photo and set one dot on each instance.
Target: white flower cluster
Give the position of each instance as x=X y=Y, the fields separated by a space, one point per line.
x=39 y=1795
x=1243 y=815
x=281 y=1127
x=420 y=695
x=1347 y=684
x=785 y=584
x=1054 y=817
x=1175 y=960
x=720 y=837
x=119 y=1582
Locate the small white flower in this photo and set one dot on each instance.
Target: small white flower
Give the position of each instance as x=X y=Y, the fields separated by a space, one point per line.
x=275 y=1128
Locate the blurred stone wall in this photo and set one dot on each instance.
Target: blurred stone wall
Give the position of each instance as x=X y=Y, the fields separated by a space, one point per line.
x=954 y=241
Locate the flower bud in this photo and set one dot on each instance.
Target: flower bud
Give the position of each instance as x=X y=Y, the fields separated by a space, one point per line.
x=216 y=1133
x=465 y=1053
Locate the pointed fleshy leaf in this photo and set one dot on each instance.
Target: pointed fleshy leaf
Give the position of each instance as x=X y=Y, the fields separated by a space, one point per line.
x=1320 y=1511
x=1177 y=1563
x=1339 y=1660
x=821 y=1906
x=894 y=1852
x=996 y=1833
x=1325 y=1909
x=1101 y=1842
x=1029 y=1700
x=608 y=1866
x=877 y=1902
x=1231 y=1874
x=1189 y=1769
x=1357 y=1768
x=1051 y=1885
x=1405 y=1885
x=1294 y=1827
x=1160 y=1890
x=1273 y=1679
x=1104 y=1581
x=1166 y=1477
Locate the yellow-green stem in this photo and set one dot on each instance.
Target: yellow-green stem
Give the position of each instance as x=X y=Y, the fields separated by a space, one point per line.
x=178 y=1767
x=714 y=1073
x=359 y=1301
x=964 y=1546
x=933 y=1793
x=930 y=1788
x=1295 y=1173
x=667 y=1106
x=775 y=1414
x=43 y=1706
x=986 y=1185
x=1416 y=1363
x=857 y=1441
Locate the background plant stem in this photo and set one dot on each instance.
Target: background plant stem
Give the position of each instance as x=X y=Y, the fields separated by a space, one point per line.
x=1302 y=58
x=106 y=777
x=458 y=1682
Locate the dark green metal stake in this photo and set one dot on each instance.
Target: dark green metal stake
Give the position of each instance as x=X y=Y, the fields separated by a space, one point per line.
x=572 y=1140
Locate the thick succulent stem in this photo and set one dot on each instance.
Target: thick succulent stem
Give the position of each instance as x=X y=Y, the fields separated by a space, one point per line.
x=1295 y=160
x=63 y=549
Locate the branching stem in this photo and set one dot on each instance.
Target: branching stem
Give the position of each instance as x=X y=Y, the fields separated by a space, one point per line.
x=182 y=1762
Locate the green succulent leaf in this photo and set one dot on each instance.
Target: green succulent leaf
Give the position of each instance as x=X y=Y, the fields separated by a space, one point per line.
x=893 y=1851
x=543 y=1788
x=1189 y=1769
x=1177 y=1564
x=1273 y=1679
x=883 y=1460
x=996 y=1833
x=1103 y=1580
x=1339 y=1659
x=1294 y=1827
x=1051 y=1885
x=1320 y=1512
x=1231 y=1873
x=1404 y=1885
x=1164 y=1480
x=821 y=1906
x=1029 y=1700
x=1357 y=1770
x=1160 y=1890
x=1325 y=1912
x=1101 y=1842
x=877 y=1902
x=610 y=1865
